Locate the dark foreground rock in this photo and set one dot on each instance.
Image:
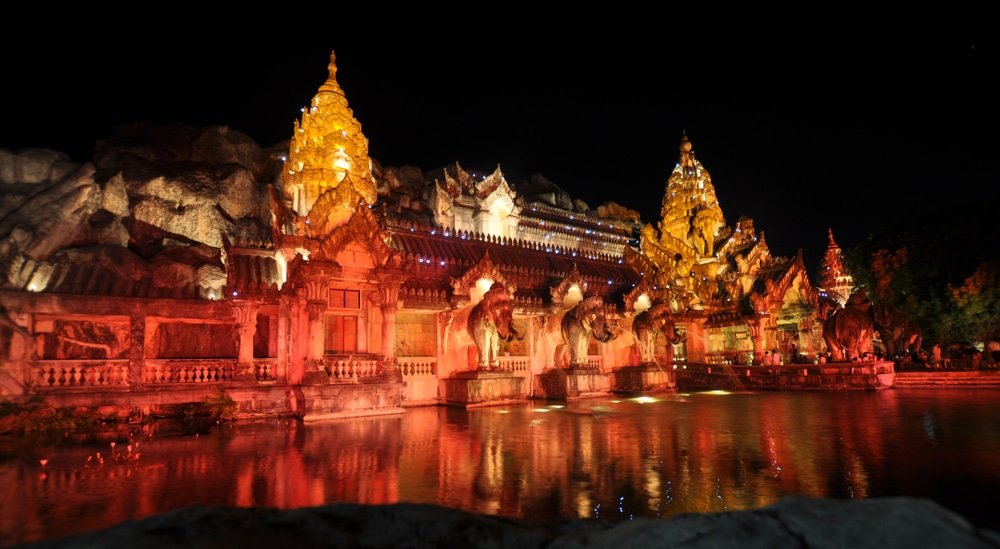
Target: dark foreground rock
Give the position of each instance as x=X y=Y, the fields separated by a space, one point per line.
x=792 y=522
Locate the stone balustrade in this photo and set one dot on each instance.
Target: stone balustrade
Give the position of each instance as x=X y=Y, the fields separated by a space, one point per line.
x=350 y=370
x=595 y=361
x=60 y=374
x=264 y=368
x=159 y=372
x=417 y=366
x=513 y=364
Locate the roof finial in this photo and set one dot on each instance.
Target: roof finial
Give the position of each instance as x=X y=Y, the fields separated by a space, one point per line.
x=331 y=84
x=829 y=231
x=687 y=154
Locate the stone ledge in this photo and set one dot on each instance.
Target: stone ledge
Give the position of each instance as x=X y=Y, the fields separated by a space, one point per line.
x=792 y=522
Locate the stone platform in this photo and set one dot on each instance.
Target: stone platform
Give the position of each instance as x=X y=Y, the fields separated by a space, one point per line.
x=948 y=379
x=644 y=378
x=483 y=388
x=829 y=377
x=342 y=400
x=571 y=383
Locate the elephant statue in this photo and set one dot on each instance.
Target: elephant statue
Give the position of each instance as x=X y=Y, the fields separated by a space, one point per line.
x=848 y=331
x=646 y=328
x=579 y=323
x=899 y=334
x=490 y=320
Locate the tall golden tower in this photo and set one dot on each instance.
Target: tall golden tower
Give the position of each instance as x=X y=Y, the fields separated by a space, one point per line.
x=328 y=171
x=690 y=211
x=691 y=220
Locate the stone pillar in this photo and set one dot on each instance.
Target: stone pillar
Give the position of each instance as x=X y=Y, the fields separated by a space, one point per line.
x=246 y=326
x=536 y=360
x=20 y=356
x=314 y=351
x=390 y=281
x=137 y=350
x=696 y=341
x=770 y=332
x=389 y=331
x=805 y=334
x=316 y=304
x=510 y=231
x=756 y=336
x=282 y=354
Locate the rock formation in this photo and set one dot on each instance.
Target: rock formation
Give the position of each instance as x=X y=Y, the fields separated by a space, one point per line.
x=154 y=206
x=792 y=522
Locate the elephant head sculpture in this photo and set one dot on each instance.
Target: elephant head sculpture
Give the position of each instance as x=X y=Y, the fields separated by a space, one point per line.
x=489 y=321
x=648 y=325
x=848 y=331
x=579 y=323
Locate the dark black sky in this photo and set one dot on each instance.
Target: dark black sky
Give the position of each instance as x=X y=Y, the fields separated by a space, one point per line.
x=799 y=132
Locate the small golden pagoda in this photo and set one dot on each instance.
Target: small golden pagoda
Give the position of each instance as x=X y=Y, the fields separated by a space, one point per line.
x=328 y=172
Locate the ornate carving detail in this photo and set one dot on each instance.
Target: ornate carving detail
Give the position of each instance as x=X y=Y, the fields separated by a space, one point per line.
x=245 y=311
x=390 y=281
x=772 y=297
x=643 y=287
x=316 y=309
x=484 y=269
x=364 y=229
x=558 y=292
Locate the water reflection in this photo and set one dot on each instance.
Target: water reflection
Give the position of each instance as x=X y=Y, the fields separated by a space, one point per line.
x=610 y=458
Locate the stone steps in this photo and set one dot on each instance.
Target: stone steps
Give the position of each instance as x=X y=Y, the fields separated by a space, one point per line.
x=939 y=380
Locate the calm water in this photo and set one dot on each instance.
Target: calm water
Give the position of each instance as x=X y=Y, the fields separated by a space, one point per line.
x=612 y=459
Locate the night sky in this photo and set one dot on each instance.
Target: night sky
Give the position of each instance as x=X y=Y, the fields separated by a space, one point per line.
x=800 y=133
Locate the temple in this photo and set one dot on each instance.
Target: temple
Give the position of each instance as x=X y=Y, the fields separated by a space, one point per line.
x=312 y=281
x=835 y=281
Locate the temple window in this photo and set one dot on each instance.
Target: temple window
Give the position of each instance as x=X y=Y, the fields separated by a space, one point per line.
x=345 y=299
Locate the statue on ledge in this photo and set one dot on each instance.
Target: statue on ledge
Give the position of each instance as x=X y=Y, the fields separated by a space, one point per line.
x=646 y=328
x=582 y=321
x=490 y=320
x=848 y=331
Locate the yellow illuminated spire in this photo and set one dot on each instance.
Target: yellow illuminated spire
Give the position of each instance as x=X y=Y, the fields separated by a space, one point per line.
x=690 y=211
x=681 y=250
x=328 y=171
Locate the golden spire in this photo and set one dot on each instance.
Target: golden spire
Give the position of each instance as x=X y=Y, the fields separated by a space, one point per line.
x=690 y=211
x=328 y=172
x=331 y=84
x=683 y=244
